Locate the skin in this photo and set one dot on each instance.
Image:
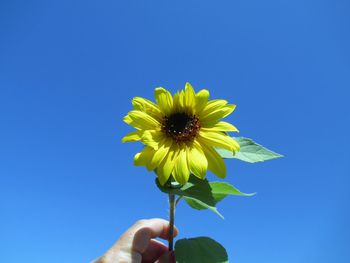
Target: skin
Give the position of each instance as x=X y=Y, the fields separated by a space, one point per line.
x=137 y=244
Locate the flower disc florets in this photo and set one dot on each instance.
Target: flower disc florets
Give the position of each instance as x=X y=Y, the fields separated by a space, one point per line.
x=181 y=133
x=181 y=127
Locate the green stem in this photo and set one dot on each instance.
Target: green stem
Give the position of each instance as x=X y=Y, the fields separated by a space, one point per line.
x=171 y=221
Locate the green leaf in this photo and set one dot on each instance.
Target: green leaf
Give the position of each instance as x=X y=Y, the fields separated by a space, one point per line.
x=219 y=191
x=250 y=152
x=200 y=194
x=195 y=188
x=200 y=250
x=196 y=192
x=199 y=205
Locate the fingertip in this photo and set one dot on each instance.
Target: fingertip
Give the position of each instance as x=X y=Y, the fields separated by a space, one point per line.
x=159 y=227
x=176 y=231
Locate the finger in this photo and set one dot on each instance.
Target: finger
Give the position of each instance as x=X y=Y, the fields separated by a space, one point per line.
x=144 y=230
x=168 y=257
x=158 y=227
x=154 y=250
x=139 y=235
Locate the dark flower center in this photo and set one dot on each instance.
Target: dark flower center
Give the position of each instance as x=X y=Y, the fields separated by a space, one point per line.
x=181 y=126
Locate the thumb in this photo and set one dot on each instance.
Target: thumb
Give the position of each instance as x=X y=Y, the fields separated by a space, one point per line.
x=168 y=257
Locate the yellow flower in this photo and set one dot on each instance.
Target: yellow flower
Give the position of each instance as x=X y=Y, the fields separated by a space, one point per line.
x=180 y=133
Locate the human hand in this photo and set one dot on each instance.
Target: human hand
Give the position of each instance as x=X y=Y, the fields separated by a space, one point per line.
x=137 y=244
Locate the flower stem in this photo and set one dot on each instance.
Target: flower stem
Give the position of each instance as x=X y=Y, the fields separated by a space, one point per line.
x=171 y=221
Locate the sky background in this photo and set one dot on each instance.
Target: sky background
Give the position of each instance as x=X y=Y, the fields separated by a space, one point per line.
x=68 y=72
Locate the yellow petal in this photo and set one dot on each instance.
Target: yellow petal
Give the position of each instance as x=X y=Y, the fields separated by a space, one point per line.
x=218 y=139
x=181 y=172
x=133 y=136
x=189 y=98
x=142 y=158
x=127 y=119
x=162 y=176
x=153 y=138
x=164 y=100
x=212 y=106
x=176 y=102
x=160 y=154
x=219 y=126
x=141 y=120
x=201 y=100
x=165 y=169
x=179 y=101
x=215 y=162
x=147 y=106
x=197 y=161
x=218 y=114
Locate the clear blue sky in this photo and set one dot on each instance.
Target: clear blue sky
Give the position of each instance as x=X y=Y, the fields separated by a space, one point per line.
x=68 y=72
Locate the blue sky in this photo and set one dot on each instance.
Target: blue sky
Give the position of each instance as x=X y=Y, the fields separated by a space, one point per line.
x=68 y=72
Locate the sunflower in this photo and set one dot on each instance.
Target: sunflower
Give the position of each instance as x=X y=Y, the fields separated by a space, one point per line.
x=180 y=134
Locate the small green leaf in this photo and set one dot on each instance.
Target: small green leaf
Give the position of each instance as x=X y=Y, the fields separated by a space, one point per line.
x=200 y=250
x=250 y=152
x=219 y=191
x=196 y=192
x=200 y=194
x=199 y=205
x=195 y=188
